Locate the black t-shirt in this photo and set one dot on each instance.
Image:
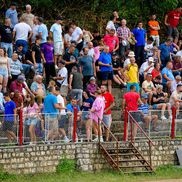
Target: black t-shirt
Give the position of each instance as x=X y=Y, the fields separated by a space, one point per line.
x=77 y=82
x=36 y=49
x=116 y=64
x=6 y=34
x=158 y=95
x=69 y=57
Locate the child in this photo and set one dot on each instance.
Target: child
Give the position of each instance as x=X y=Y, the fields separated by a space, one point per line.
x=47 y=51
x=15 y=67
x=36 y=56
x=32 y=118
x=9 y=117
x=116 y=70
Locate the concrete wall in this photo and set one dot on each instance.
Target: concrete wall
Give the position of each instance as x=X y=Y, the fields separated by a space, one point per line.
x=45 y=158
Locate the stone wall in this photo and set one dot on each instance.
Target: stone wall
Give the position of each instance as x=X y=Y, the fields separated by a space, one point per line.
x=45 y=158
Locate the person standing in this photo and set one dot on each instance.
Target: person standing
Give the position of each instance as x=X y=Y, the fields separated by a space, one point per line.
x=9 y=117
x=124 y=35
x=77 y=35
x=42 y=30
x=6 y=32
x=154 y=28
x=47 y=50
x=111 y=24
x=51 y=107
x=172 y=19
x=130 y=103
x=112 y=41
x=28 y=16
x=140 y=36
x=87 y=66
x=23 y=33
x=109 y=104
x=56 y=33
x=97 y=112
x=12 y=14
x=105 y=62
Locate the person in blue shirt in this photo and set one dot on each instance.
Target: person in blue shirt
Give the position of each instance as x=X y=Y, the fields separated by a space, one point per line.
x=9 y=117
x=12 y=14
x=146 y=116
x=167 y=75
x=105 y=62
x=165 y=51
x=42 y=30
x=51 y=107
x=140 y=36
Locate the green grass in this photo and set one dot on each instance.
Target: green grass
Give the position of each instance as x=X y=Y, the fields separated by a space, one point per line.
x=165 y=172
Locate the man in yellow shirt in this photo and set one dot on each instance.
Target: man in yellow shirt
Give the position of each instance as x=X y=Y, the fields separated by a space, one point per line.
x=132 y=74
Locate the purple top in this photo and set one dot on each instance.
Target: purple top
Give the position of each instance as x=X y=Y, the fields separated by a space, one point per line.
x=91 y=88
x=48 y=51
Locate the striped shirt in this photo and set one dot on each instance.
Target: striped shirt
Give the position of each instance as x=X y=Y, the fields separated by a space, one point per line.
x=144 y=108
x=123 y=32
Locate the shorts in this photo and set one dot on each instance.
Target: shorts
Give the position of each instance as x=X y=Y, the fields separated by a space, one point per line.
x=172 y=32
x=155 y=106
x=137 y=116
x=4 y=72
x=58 y=48
x=107 y=75
x=135 y=84
x=8 y=126
x=107 y=119
x=31 y=121
x=51 y=122
x=62 y=120
x=85 y=115
x=64 y=90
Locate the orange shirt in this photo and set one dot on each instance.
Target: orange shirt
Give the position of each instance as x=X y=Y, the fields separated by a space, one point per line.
x=154 y=24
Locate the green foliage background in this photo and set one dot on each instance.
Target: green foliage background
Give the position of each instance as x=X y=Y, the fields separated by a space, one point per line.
x=93 y=14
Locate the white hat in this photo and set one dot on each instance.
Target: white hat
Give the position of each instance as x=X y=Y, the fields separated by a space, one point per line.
x=150 y=59
x=131 y=54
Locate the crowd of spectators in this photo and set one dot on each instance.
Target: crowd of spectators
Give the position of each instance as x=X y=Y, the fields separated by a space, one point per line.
x=53 y=70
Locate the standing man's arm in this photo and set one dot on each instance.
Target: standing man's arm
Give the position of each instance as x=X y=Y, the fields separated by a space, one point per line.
x=123 y=105
x=165 y=20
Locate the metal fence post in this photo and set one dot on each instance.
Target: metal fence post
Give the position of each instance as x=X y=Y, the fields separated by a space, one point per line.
x=21 y=127
x=75 y=123
x=173 y=123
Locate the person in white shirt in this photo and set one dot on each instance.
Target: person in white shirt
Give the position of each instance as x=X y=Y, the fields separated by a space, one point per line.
x=77 y=35
x=62 y=116
x=146 y=67
x=56 y=33
x=67 y=37
x=175 y=83
x=149 y=47
x=110 y=24
x=22 y=32
x=35 y=29
x=91 y=51
x=62 y=78
x=176 y=98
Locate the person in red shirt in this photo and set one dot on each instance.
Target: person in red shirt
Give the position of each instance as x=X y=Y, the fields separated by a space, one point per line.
x=172 y=19
x=156 y=74
x=130 y=102
x=109 y=104
x=112 y=41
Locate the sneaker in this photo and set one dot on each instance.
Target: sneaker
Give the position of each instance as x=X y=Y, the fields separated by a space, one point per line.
x=56 y=67
x=155 y=129
x=66 y=140
x=163 y=118
x=96 y=139
x=101 y=139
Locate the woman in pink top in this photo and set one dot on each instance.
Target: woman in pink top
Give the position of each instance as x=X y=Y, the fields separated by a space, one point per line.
x=31 y=115
x=97 y=112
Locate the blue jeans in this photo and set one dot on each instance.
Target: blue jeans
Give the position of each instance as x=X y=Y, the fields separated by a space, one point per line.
x=39 y=69
x=26 y=68
x=8 y=47
x=24 y=43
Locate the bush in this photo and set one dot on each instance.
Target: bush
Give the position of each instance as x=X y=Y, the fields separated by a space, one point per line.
x=66 y=165
x=6 y=176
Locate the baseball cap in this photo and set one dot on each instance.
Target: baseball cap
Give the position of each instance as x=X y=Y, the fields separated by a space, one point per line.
x=92 y=78
x=144 y=96
x=21 y=78
x=149 y=74
x=151 y=59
